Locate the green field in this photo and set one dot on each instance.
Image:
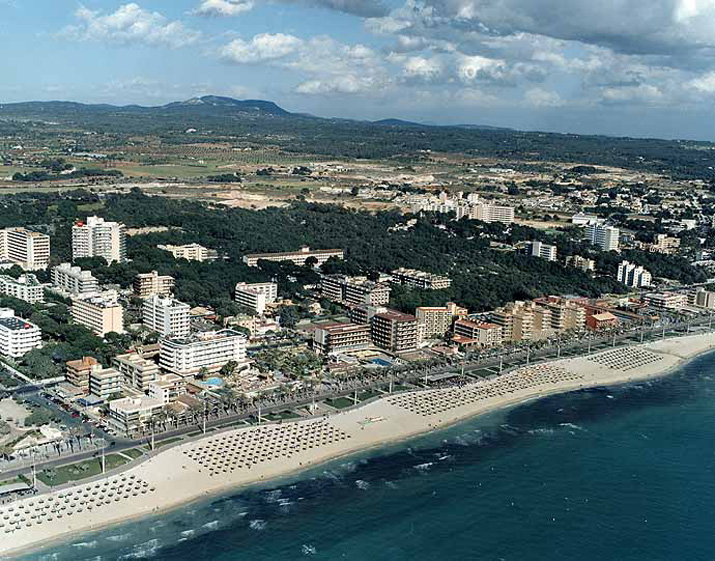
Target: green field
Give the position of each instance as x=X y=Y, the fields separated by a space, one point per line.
x=80 y=470
x=340 y=402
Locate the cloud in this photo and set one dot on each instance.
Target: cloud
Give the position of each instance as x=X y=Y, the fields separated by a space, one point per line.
x=539 y=97
x=130 y=24
x=223 y=7
x=361 y=8
x=263 y=47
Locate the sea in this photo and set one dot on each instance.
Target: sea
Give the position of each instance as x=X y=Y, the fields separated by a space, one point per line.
x=613 y=473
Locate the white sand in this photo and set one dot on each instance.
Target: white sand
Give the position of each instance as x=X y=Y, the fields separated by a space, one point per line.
x=237 y=457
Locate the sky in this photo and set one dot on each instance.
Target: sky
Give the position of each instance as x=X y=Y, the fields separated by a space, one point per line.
x=617 y=67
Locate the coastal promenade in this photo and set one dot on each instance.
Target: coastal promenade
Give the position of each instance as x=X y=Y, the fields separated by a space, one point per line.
x=235 y=457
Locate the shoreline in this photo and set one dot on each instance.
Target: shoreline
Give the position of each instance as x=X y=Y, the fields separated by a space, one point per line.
x=230 y=460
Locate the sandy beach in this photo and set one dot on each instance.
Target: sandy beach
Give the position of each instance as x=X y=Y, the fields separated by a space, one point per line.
x=233 y=458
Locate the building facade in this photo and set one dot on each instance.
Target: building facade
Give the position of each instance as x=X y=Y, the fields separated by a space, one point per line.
x=137 y=372
x=603 y=236
x=104 y=382
x=25 y=287
x=74 y=281
x=30 y=250
x=166 y=316
x=132 y=414
x=211 y=350
x=77 y=372
x=100 y=314
x=297 y=257
x=394 y=331
x=337 y=338
x=543 y=250
x=99 y=238
x=190 y=252
x=354 y=291
x=256 y=295
x=436 y=321
x=633 y=275
x=17 y=336
x=420 y=279
x=483 y=333
x=150 y=284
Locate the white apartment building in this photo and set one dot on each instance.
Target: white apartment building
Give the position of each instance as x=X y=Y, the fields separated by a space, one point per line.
x=17 y=336
x=297 y=257
x=543 y=250
x=633 y=275
x=138 y=372
x=601 y=235
x=101 y=314
x=256 y=295
x=74 y=281
x=704 y=298
x=492 y=213
x=436 y=321
x=25 y=287
x=210 y=350
x=664 y=301
x=582 y=263
x=167 y=388
x=420 y=279
x=30 y=250
x=147 y=284
x=104 y=382
x=166 y=316
x=190 y=252
x=130 y=414
x=99 y=238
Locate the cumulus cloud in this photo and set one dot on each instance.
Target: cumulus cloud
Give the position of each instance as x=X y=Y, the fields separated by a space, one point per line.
x=263 y=47
x=539 y=97
x=130 y=24
x=223 y=7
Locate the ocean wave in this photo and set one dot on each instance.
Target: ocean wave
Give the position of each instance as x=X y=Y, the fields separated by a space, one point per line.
x=424 y=467
x=210 y=525
x=188 y=533
x=360 y=484
x=119 y=537
x=143 y=550
x=572 y=426
x=273 y=496
x=309 y=549
x=546 y=431
x=258 y=524
x=86 y=545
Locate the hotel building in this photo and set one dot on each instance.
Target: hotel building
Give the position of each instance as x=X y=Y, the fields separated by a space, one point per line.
x=74 y=281
x=601 y=235
x=17 y=336
x=167 y=388
x=394 y=331
x=166 y=316
x=210 y=350
x=26 y=288
x=149 y=284
x=543 y=250
x=297 y=257
x=137 y=372
x=131 y=414
x=101 y=314
x=633 y=276
x=190 y=252
x=420 y=279
x=30 y=250
x=77 y=372
x=99 y=238
x=483 y=333
x=337 y=338
x=354 y=291
x=256 y=295
x=104 y=382
x=437 y=321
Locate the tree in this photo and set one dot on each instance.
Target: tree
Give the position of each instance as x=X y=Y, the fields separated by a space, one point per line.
x=288 y=317
x=202 y=374
x=229 y=368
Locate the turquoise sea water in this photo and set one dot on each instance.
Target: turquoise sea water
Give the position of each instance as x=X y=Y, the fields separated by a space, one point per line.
x=623 y=473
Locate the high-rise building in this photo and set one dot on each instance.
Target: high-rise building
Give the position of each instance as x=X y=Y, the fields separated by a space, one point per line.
x=99 y=238
x=256 y=295
x=601 y=235
x=26 y=287
x=104 y=382
x=394 y=331
x=543 y=250
x=420 y=279
x=30 y=250
x=634 y=276
x=704 y=298
x=74 y=281
x=166 y=316
x=186 y=356
x=436 y=321
x=354 y=291
x=522 y=321
x=491 y=213
x=337 y=338
x=17 y=336
x=101 y=314
x=149 y=284
x=565 y=315
x=297 y=257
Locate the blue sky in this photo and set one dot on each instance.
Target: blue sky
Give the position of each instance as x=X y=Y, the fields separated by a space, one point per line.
x=625 y=67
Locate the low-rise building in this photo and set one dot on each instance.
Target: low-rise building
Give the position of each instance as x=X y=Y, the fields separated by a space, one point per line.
x=74 y=281
x=666 y=301
x=436 y=321
x=100 y=314
x=582 y=263
x=704 y=298
x=25 y=287
x=485 y=334
x=167 y=388
x=17 y=336
x=190 y=252
x=186 y=356
x=77 y=372
x=665 y=244
x=298 y=257
x=394 y=331
x=150 y=284
x=257 y=295
x=166 y=316
x=543 y=250
x=132 y=414
x=420 y=279
x=337 y=338
x=104 y=382
x=137 y=371
x=602 y=320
